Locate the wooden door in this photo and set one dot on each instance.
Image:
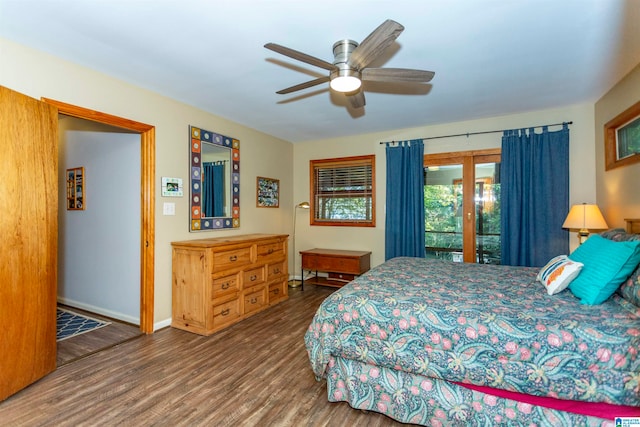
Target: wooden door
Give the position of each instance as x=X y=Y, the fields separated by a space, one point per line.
x=28 y=240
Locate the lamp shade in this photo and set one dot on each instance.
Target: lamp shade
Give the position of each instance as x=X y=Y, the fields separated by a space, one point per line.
x=585 y=217
x=303 y=205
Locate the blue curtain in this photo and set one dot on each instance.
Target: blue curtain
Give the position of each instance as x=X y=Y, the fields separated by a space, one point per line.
x=213 y=189
x=404 y=233
x=534 y=195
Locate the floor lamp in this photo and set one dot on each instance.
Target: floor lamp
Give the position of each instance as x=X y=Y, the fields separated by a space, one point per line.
x=303 y=205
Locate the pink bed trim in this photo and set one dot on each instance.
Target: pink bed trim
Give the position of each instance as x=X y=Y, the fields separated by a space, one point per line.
x=595 y=409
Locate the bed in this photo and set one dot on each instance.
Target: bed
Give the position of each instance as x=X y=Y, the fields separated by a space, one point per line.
x=432 y=342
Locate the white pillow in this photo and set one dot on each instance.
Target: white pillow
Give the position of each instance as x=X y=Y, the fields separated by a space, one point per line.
x=558 y=273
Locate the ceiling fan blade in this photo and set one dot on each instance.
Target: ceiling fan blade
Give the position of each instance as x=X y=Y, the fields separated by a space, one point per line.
x=304 y=85
x=301 y=56
x=357 y=99
x=376 y=42
x=397 y=75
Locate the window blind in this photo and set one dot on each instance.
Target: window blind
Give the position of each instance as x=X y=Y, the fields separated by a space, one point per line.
x=343 y=191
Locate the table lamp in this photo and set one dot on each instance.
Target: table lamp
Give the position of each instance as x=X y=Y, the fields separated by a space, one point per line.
x=584 y=218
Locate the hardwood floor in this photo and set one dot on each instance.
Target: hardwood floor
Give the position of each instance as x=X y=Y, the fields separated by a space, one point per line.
x=115 y=333
x=254 y=373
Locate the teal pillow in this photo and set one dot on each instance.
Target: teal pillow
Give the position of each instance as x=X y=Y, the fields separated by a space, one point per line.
x=606 y=265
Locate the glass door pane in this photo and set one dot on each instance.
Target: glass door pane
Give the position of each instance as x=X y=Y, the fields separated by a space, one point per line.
x=487 y=204
x=443 y=212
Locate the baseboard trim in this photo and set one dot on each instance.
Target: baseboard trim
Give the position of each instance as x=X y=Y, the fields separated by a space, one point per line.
x=161 y=324
x=99 y=310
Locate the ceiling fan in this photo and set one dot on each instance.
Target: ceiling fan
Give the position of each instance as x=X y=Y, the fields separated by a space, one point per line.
x=350 y=61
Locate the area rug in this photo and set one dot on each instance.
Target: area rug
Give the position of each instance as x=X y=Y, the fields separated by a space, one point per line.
x=70 y=324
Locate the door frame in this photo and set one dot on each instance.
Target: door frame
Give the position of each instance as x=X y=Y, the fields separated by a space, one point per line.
x=147 y=199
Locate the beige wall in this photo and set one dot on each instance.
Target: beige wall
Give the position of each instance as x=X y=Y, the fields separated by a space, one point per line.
x=39 y=75
x=617 y=190
x=582 y=163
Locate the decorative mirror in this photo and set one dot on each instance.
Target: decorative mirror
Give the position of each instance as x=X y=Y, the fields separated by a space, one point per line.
x=215 y=181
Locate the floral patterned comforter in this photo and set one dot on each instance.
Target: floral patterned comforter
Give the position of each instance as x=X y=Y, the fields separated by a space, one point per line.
x=481 y=324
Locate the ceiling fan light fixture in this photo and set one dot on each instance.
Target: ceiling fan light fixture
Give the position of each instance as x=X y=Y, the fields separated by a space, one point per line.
x=345 y=84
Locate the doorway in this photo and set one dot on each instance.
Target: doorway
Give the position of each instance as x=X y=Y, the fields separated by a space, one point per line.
x=462 y=206
x=147 y=198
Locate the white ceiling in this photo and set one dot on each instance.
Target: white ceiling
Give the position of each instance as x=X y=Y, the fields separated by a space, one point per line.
x=491 y=57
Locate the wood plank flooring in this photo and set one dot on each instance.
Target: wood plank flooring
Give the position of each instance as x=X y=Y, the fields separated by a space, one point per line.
x=83 y=345
x=254 y=373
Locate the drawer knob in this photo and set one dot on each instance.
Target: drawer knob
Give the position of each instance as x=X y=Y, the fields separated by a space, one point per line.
x=253 y=300
x=276 y=291
x=233 y=258
x=270 y=251
x=276 y=270
x=254 y=278
x=225 y=285
x=225 y=312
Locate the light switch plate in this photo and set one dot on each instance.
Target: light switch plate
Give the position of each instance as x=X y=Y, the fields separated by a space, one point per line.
x=168 y=208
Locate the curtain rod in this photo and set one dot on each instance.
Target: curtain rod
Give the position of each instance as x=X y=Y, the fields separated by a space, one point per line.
x=488 y=131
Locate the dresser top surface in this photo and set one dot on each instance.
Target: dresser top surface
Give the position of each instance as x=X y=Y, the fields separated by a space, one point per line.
x=226 y=240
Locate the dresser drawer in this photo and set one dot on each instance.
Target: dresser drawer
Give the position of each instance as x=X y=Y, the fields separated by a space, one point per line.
x=277 y=291
x=275 y=270
x=329 y=263
x=271 y=250
x=254 y=300
x=225 y=286
x=227 y=312
x=252 y=277
x=225 y=260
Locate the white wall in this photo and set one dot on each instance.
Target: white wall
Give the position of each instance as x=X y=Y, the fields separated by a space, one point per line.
x=581 y=174
x=99 y=247
x=38 y=74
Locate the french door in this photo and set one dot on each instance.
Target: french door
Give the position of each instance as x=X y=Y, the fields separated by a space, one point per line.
x=462 y=206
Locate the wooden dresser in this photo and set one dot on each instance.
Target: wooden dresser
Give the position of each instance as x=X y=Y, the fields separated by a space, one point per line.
x=220 y=281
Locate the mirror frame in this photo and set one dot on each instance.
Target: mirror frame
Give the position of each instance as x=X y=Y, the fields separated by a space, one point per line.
x=197 y=137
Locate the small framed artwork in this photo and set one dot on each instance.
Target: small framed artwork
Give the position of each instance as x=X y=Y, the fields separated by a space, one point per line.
x=75 y=189
x=171 y=187
x=622 y=138
x=268 y=192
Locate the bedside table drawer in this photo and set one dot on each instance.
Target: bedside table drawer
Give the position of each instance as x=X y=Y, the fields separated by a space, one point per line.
x=335 y=264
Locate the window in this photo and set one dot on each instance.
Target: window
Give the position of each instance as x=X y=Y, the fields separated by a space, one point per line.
x=343 y=191
x=622 y=138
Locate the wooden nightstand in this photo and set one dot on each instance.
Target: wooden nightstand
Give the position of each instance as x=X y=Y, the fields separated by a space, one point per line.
x=342 y=266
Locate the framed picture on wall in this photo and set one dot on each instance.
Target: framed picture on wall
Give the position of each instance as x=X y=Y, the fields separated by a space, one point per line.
x=267 y=192
x=75 y=189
